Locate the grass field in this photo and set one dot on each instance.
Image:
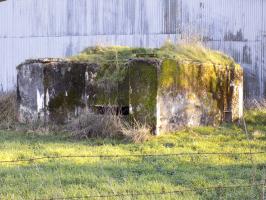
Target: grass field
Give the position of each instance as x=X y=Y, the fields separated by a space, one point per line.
x=67 y=178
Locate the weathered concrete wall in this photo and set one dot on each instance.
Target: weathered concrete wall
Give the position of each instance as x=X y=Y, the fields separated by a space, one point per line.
x=34 y=29
x=30 y=92
x=54 y=90
x=169 y=95
x=57 y=90
x=194 y=94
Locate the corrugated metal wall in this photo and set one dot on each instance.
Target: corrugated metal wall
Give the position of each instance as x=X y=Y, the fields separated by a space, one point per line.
x=56 y=28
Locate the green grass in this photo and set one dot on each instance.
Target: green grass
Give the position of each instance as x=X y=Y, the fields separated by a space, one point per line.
x=63 y=178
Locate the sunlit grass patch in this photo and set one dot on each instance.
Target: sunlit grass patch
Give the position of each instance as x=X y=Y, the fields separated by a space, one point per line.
x=86 y=176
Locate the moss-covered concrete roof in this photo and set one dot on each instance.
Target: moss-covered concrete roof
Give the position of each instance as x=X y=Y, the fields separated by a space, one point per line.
x=112 y=60
x=185 y=52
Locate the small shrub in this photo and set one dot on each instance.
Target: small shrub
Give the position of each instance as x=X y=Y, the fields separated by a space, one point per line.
x=8 y=110
x=9 y=114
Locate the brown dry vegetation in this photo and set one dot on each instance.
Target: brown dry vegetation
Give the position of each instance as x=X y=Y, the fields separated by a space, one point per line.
x=109 y=125
x=87 y=125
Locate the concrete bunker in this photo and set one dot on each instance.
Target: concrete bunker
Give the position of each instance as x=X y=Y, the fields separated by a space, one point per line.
x=165 y=92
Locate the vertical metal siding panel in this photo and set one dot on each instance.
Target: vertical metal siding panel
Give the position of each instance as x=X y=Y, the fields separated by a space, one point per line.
x=235 y=30
x=5 y=44
x=64 y=27
x=263 y=44
x=59 y=28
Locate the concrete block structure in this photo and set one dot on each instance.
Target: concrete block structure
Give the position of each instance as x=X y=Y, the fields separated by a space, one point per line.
x=165 y=93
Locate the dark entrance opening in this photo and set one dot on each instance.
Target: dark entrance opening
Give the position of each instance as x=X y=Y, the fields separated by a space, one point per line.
x=115 y=110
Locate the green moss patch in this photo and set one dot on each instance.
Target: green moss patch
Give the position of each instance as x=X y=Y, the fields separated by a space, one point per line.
x=213 y=84
x=143 y=90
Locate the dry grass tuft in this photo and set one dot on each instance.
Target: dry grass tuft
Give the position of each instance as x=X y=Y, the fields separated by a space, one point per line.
x=95 y=125
x=87 y=125
x=109 y=125
x=136 y=133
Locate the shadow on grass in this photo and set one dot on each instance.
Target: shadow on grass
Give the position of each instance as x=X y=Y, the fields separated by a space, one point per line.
x=63 y=138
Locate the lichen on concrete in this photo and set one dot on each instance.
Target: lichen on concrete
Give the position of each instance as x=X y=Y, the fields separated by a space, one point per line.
x=203 y=93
